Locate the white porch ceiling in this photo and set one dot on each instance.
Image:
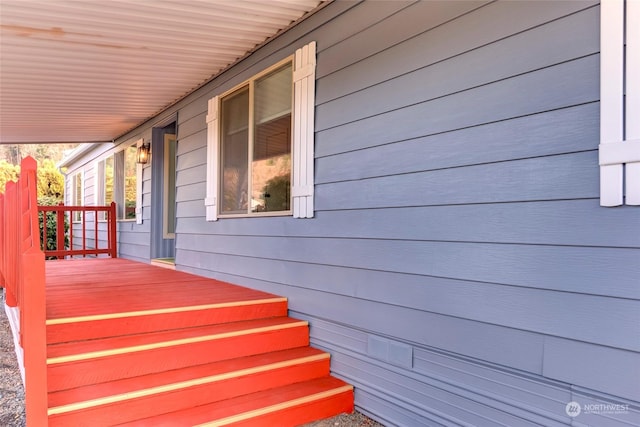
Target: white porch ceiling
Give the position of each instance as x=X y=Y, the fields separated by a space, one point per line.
x=90 y=70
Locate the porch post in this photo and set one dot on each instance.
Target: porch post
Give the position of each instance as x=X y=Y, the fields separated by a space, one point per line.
x=32 y=297
x=34 y=343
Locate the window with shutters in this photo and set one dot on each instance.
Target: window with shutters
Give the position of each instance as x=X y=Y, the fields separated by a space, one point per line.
x=260 y=143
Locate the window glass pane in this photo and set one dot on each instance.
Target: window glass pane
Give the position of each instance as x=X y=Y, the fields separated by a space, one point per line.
x=130 y=182
x=234 y=155
x=271 y=164
x=108 y=180
x=273 y=95
x=78 y=190
x=170 y=184
x=77 y=195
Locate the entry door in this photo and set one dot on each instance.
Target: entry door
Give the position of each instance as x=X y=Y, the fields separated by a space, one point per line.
x=163 y=197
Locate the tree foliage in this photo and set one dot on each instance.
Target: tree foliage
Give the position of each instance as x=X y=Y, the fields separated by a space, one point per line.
x=52 y=226
x=50 y=182
x=8 y=172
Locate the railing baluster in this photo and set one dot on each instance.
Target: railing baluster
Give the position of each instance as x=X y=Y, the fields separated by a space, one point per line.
x=95 y=235
x=59 y=227
x=84 y=234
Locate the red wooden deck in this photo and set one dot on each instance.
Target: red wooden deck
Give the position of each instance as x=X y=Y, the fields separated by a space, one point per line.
x=133 y=343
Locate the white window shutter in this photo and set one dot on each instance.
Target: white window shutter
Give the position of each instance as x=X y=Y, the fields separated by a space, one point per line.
x=139 y=178
x=619 y=148
x=213 y=141
x=632 y=107
x=304 y=79
x=97 y=187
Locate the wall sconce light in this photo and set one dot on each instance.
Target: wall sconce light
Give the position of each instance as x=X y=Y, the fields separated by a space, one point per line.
x=143 y=153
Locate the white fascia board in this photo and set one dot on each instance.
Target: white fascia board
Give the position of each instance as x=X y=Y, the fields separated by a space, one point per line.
x=79 y=152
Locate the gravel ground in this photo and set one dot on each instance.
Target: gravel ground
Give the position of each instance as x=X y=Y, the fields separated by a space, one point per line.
x=11 y=390
x=12 y=393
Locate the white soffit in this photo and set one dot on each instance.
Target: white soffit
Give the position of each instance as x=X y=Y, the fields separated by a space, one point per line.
x=90 y=70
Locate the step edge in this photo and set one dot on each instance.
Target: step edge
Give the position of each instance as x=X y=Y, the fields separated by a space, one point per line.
x=171 y=343
x=62 y=409
x=278 y=407
x=168 y=310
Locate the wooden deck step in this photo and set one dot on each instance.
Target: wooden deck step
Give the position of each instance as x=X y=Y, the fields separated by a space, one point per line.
x=76 y=364
x=137 y=398
x=148 y=320
x=285 y=406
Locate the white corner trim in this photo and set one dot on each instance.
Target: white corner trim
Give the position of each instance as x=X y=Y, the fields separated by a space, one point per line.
x=13 y=315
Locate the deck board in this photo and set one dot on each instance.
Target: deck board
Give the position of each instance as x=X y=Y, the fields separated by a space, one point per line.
x=103 y=286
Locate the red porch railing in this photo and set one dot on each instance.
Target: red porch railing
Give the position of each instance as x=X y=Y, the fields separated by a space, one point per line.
x=23 y=275
x=22 y=270
x=79 y=245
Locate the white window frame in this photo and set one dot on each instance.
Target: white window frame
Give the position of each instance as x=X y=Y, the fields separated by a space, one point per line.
x=139 y=171
x=619 y=150
x=100 y=179
x=302 y=140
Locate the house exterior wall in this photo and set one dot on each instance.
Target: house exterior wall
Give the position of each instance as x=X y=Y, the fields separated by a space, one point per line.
x=132 y=239
x=459 y=267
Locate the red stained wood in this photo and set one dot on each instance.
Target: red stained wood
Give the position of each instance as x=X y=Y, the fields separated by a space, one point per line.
x=74 y=374
x=75 y=331
x=106 y=338
x=323 y=408
x=107 y=285
x=22 y=272
x=81 y=347
x=171 y=401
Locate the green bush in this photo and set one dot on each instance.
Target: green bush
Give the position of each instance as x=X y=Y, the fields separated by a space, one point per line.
x=50 y=242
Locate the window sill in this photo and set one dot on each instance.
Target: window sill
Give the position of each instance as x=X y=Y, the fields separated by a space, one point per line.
x=256 y=215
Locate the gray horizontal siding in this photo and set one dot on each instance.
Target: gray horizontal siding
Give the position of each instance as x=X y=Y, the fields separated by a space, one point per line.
x=592 y=318
x=560 y=86
x=572 y=269
x=461 y=382
x=547 y=133
x=568 y=360
x=427 y=48
x=445 y=331
x=431 y=79
x=540 y=223
x=560 y=177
